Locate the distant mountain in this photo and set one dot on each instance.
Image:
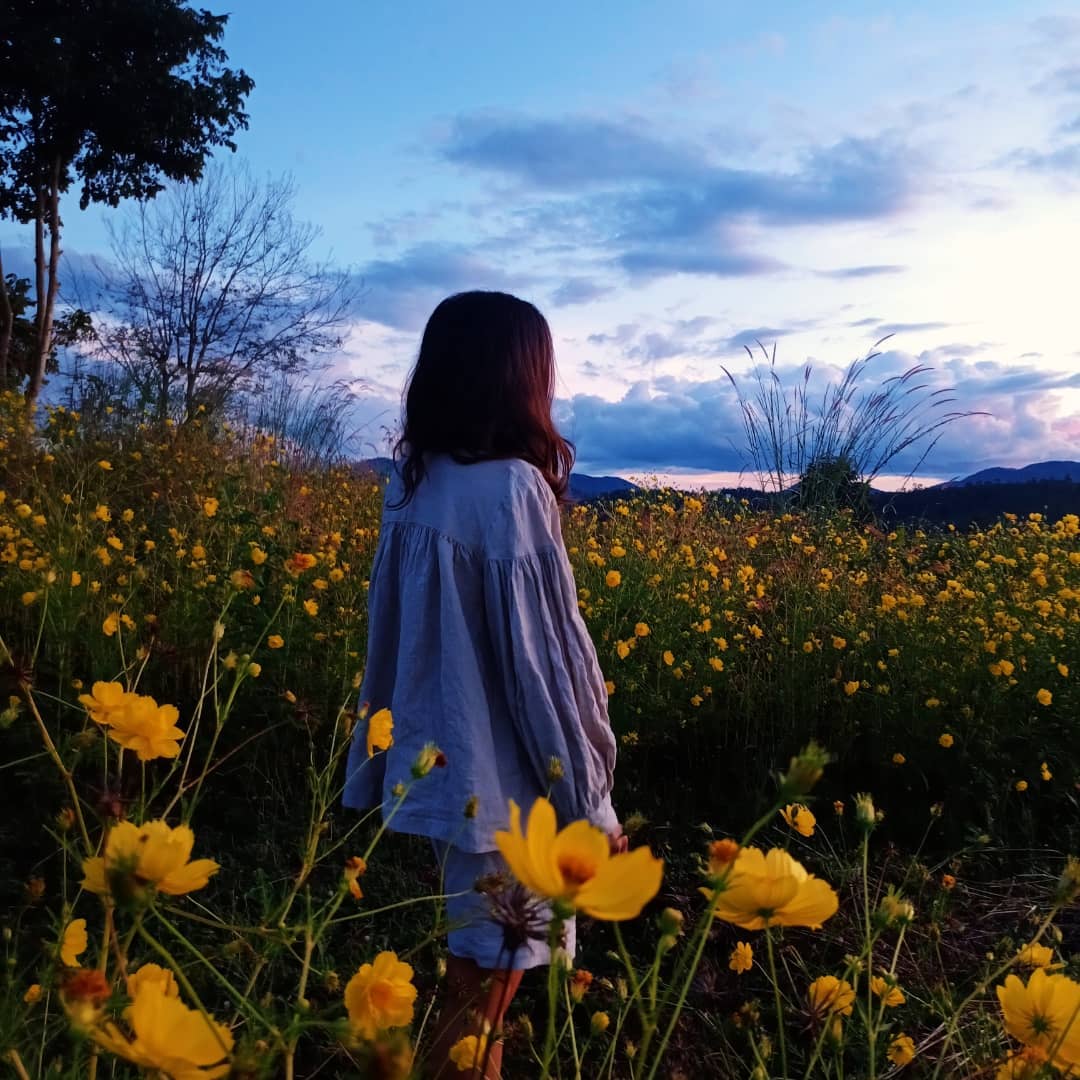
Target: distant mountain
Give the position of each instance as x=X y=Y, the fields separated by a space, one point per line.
x=1040 y=470
x=582 y=486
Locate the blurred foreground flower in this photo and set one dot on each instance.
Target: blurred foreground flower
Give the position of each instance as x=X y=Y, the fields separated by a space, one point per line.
x=469 y=1052
x=380 y=732
x=773 y=890
x=150 y=854
x=1044 y=1014
x=380 y=996
x=168 y=1037
x=575 y=866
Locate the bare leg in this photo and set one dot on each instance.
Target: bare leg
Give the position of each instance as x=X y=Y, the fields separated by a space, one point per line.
x=475 y=998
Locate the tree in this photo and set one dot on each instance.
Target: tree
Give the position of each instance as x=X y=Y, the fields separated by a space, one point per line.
x=117 y=94
x=18 y=331
x=212 y=290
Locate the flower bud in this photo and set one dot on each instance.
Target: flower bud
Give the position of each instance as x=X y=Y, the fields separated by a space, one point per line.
x=600 y=1022
x=804 y=772
x=556 y=771
x=865 y=814
x=1068 y=887
x=671 y=921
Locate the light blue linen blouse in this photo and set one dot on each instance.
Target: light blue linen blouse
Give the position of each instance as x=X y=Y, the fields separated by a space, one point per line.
x=476 y=644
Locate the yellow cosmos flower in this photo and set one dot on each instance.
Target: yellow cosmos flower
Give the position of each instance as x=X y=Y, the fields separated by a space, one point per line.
x=106 y=466
x=153 y=853
x=1044 y=1014
x=147 y=728
x=902 y=1050
x=827 y=995
x=258 y=556
x=945 y=740
x=575 y=866
x=1044 y=697
x=311 y=607
x=210 y=507
x=468 y=1053
x=380 y=732
x=33 y=994
x=275 y=641
x=111 y=624
x=73 y=944
x=742 y=957
x=613 y=579
x=380 y=996
x=105 y=701
x=890 y=994
x=669 y=657
x=138 y=980
x=1034 y=955
x=300 y=561
x=641 y=630
x=773 y=890
x=168 y=1038
x=1021 y=785
x=799 y=818
x=851 y=687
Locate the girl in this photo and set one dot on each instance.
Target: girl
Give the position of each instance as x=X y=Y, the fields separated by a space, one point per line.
x=475 y=640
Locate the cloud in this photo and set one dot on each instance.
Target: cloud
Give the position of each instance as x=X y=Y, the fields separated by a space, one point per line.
x=845 y=272
x=748 y=339
x=1065 y=159
x=675 y=423
x=579 y=290
x=402 y=292
x=647 y=263
x=911 y=327
x=1065 y=80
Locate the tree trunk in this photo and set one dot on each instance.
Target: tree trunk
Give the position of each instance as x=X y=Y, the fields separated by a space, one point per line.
x=7 y=323
x=50 y=287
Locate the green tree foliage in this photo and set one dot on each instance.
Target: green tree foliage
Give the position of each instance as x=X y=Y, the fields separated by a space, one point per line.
x=117 y=96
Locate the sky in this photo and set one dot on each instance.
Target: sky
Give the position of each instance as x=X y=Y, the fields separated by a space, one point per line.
x=670 y=182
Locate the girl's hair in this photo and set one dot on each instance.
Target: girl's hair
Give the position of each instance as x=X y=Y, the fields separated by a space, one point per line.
x=482 y=388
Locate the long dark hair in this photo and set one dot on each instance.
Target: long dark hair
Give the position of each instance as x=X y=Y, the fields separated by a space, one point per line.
x=482 y=388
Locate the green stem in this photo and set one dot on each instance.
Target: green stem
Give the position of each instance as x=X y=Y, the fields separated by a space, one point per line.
x=779 y=1001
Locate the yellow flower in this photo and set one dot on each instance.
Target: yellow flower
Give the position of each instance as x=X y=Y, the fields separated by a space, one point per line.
x=254 y=669
x=169 y=1038
x=622 y=649
x=600 y=1022
x=742 y=957
x=575 y=866
x=298 y=562
x=147 y=728
x=380 y=732
x=839 y=643
x=152 y=973
x=1044 y=771
x=891 y=995
x=1034 y=955
x=73 y=944
x=275 y=641
x=111 y=624
x=1063 y=670
x=799 y=818
x=76 y=578
x=380 y=996
x=773 y=890
x=1044 y=697
x=311 y=608
x=258 y=556
x=851 y=687
x=106 y=701
x=902 y=1050
x=469 y=1052
x=827 y=994
x=153 y=853
x=33 y=994
x=29 y=598
x=641 y=630
x=210 y=507
x=1044 y=1014
x=613 y=579
x=105 y=465
x=945 y=740
x=1021 y=785
x=669 y=657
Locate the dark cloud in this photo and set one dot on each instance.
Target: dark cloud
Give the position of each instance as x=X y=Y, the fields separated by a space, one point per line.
x=579 y=290
x=646 y=263
x=910 y=327
x=402 y=292
x=749 y=339
x=844 y=272
x=672 y=423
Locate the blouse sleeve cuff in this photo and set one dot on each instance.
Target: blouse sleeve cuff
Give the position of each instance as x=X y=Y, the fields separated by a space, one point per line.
x=604 y=816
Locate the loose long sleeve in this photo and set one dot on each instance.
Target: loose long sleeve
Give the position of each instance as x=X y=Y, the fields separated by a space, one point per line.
x=554 y=690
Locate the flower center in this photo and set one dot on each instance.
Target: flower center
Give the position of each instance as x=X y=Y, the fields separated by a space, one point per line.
x=382 y=995
x=576 y=869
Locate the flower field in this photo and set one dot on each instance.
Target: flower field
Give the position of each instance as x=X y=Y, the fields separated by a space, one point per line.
x=182 y=631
